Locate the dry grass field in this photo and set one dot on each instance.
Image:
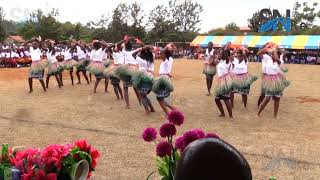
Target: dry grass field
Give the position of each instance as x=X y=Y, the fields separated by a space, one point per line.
x=288 y=148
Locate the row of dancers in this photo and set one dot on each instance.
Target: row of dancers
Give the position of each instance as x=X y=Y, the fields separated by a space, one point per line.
x=231 y=65
x=134 y=67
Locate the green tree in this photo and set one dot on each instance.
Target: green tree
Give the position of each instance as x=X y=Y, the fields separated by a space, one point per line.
x=186 y=15
x=3 y=32
x=40 y=24
x=136 y=18
x=232 y=27
x=255 y=22
x=119 y=23
x=304 y=13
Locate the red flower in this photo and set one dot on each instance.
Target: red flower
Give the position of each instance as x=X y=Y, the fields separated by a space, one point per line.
x=94 y=153
x=52 y=176
x=83 y=145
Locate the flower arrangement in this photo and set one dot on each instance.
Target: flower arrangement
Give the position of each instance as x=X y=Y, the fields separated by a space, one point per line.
x=50 y=163
x=168 y=152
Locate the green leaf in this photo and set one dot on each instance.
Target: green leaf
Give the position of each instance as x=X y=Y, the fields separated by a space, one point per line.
x=163 y=166
x=75 y=150
x=272 y=178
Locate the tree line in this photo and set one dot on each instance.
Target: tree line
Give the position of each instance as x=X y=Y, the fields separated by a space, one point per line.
x=177 y=20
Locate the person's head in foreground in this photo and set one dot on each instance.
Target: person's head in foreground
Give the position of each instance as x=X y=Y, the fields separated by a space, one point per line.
x=212 y=159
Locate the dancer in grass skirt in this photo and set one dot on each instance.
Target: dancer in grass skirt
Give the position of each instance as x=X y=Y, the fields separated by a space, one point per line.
x=143 y=80
x=224 y=85
x=83 y=62
x=36 y=70
x=118 y=61
x=106 y=60
x=240 y=76
x=127 y=71
x=162 y=85
x=96 y=65
x=69 y=62
x=273 y=81
x=54 y=67
x=209 y=68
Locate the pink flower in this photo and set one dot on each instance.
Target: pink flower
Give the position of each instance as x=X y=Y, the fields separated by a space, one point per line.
x=164 y=149
x=200 y=133
x=149 y=134
x=52 y=156
x=180 y=143
x=189 y=137
x=212 y=135
x=176 y=117
x=167 y=130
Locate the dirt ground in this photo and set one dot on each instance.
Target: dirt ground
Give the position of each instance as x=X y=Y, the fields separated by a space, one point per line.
x=287 y=148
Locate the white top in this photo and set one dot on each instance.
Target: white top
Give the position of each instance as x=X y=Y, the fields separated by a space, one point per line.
x=52 y=58
x=145 y=65
x=273 y=69
x=239 y=68
x=96 y=55
x=104 y=55
x=80 y=53
x=266 y=59
x=27 y=53
x=118 y=58
x=35 y=54
x=207 y=55
x=223 y=68
x=3 y=54
x=128 y=58
x=166 y=66
x=67 y=55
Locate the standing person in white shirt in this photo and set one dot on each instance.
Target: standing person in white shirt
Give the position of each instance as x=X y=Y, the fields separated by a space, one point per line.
x=143 y=80
x=274 y=81
x=118 y=61
x=68 y=63
x=54 y=67
x=162 y=85
x=37 y=66
x=265 y=59
x=126 y=72
x=225 y=84
x=240 y=76
x=83 y=62
x=96 y=65
x=209 y=67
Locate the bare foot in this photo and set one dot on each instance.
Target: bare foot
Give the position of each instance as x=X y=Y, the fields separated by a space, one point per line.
x=127 y=107
x=30 y=91
x=258 y=115
x=222 y=115
x=208 y=94
x=275 y=117
x=231 y=117
x=78 y=82
x=152 y=110
x=147 y=113
x=94 y=92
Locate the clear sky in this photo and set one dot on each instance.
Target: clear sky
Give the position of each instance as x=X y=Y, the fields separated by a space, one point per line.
x=217 y=13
